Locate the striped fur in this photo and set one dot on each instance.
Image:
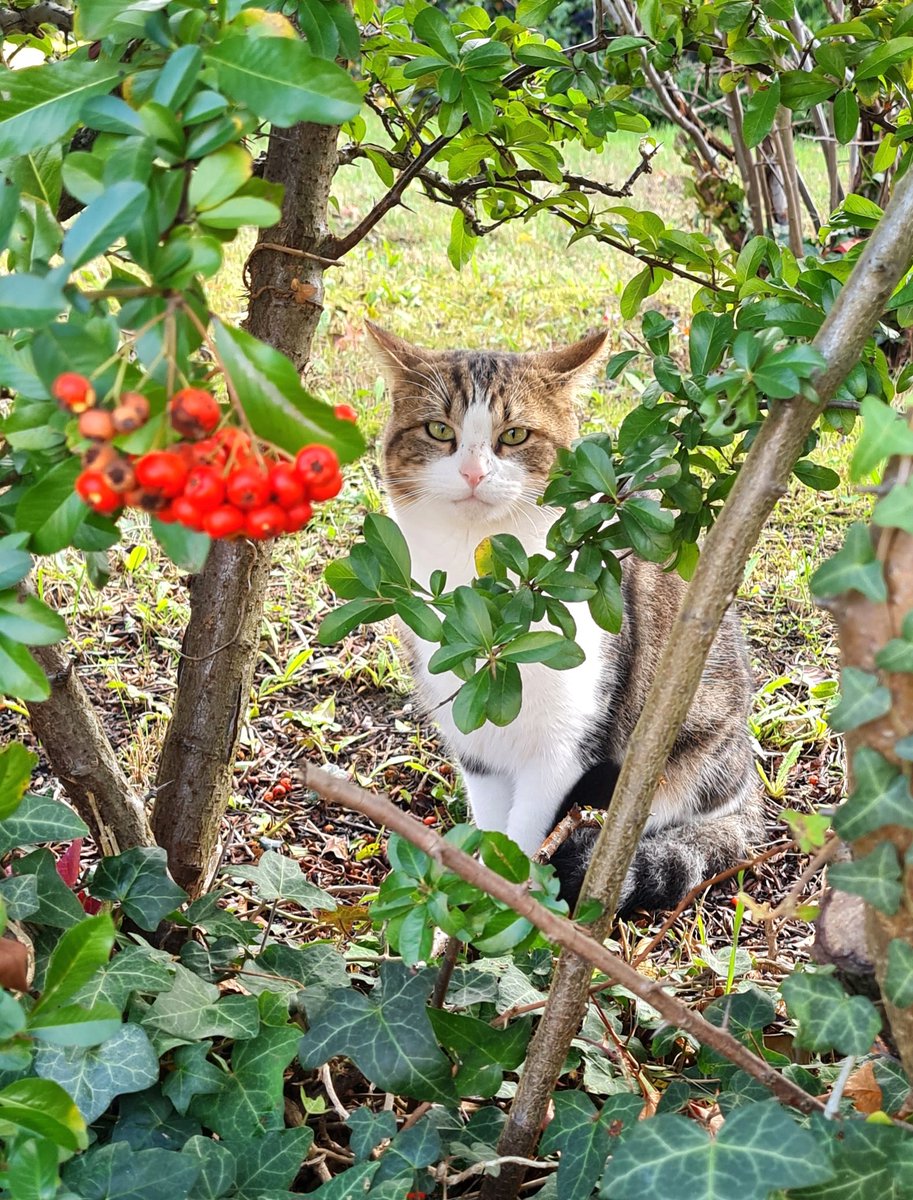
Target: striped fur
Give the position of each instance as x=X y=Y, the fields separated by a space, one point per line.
x=569 y=740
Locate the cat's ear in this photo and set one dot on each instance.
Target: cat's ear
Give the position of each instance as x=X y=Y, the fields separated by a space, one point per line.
x=394 y=356
x=580 y=361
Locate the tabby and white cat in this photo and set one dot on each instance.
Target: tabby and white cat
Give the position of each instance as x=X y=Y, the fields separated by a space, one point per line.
x=467 y=450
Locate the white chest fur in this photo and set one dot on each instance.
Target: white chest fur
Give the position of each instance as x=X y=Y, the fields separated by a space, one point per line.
x=525 y=769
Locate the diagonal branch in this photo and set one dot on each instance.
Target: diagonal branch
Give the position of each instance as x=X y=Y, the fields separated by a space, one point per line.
x=574 y=938
x=30 y=20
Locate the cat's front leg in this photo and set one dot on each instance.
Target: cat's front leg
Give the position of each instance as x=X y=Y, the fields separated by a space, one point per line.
x=539 y=788
x=490 y=796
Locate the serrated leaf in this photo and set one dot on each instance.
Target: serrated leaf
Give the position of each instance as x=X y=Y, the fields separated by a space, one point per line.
x=758 y=1149
x=269 y=389
x=139 y=881
x=387 y=1035
x=829 y=1019
x=281 y=81
x=124 y=1063
x=876 y=878
x=40 y=819
x=278 y=877
x=862 y=699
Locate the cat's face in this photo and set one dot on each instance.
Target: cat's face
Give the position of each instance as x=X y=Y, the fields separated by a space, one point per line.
x=477 y=433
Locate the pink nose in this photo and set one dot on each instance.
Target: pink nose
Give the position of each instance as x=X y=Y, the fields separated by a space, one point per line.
x=473 y=474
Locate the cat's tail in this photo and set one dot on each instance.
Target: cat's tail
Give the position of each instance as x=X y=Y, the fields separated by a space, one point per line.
x=669 y=862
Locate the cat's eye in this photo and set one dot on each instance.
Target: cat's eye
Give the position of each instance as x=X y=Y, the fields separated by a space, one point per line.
x=440 y=431
x=513 y=437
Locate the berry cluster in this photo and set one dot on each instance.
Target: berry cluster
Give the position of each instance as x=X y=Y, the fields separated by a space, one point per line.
x=214 y=480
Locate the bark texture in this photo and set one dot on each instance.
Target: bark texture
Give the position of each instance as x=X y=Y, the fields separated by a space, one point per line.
x=220 y=646
x=78 y=749
x=761 y=482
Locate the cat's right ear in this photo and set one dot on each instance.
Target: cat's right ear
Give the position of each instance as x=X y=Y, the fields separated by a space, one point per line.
x=395 y=357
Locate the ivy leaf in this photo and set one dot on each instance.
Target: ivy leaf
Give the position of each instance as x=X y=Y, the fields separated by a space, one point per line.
x=139 y=881
x=217 y=1168
x=269 y=388
x=387 y=1034
x=410 y=1151
x=117 y=1172
x=759 y=1148
x=876 y=878
x=93 y=1077
x=884 y=433
x=57 y=906
x=760 y=111
x=895 y=510
x=40 y=819
x=862 y=699
x=194 y=1009
x=585 y=1136
x=881 y=797
x=282 y=82
x=369 y=1129
x=268 y=1162
x=16 y=766
x=192 y=1075
x=140 y=970
x=278 y=877
x=898 y=982
x=852 y=568
x=20 y=895
x=829 y=1019
x=868 y=1160
x=484 y=1053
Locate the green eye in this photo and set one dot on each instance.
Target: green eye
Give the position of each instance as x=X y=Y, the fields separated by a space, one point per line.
x=440 y=432
x=513 y=437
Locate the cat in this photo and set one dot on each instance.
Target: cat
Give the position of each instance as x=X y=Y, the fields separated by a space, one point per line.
x=466 y=453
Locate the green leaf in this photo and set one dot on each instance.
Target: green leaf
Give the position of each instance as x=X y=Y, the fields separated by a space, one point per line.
x=478 y=103
x=240 y=211
x=758 y=1149
x=268 y=1163
x=846 y=116
x=282 y=82
x=44 y=1108
x=891 y=54
x=139 y=881
x=881 y=796
x=386 y=1033
x=19 y=893
x=72 y=1025
x=16 y=766
x=606 y=605
x=15 y=563
x=862 y=699
x=122 y=1064
x=898 y=981
x=250 y=1098
x=421 y=618
x=636 y=291
x=385 y=538
x=581 y=1133
x=876 y=878
x=133 y=969
x=707 y=341
x=50 y=509
x=884 y=433
x=193 y=1010
x=98 y=18
x=433 y=28
x=760 y=112
x=29 y=301
x=32 y=1170
x=192 y=1075
x=341 y=621
x=39 y=104
x=463 y=241
x=816 y=476
x=98 y=227
x=117 y=1172
x=853 y=568
x=57 y=906
x=40 y=819
x=505 y=694
x=23 y=618
x=868 y=1160
x=828 y=1018
x=186 y=548
x=79 y=953
x=895 y=510
x=469 y=706
x=278 y=877
x=269 y=389
x=543 y=645
x=219 y=176
x=535 y=12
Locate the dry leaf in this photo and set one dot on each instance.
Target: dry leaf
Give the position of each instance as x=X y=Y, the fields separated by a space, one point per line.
x=862 y=1088
x=14 y=965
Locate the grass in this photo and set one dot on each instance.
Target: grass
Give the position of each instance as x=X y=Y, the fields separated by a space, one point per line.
x=350 y=705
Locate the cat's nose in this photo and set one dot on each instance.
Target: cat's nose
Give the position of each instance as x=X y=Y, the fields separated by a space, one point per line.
x=473 y=473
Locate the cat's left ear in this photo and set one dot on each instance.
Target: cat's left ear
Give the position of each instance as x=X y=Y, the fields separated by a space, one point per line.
x=580 y=361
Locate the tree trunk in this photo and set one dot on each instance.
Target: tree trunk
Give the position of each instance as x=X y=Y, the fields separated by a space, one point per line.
x=761 y=482
x=221 y=643
x=83 y=759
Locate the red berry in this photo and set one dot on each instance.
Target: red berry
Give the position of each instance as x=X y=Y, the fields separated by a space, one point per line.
x=265 y=522
x=326 y=489
x=286 y=782
x=205 y=487
x=166 y=514
x=92 y=487
x=429 y=820
x=193 y=412
x=224 y=521
x=247 y=487
x=132 y=412
x=268 y=797
x=163 y=471
x=99 y=456
x=314 y=464
x=286 y=485
x=208 y=452
x=73 y=391
x=149 y=499
x=298 y=516
x=345 y=412
x=97 y=425
x=186 y=512
x=119 y=474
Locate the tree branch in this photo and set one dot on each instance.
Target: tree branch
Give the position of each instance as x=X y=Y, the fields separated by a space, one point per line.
x=30 y=20
x=381 y=809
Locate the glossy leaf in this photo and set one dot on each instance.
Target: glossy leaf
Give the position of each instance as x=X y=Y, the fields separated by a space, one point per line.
x=39 y=104
x=139 y=881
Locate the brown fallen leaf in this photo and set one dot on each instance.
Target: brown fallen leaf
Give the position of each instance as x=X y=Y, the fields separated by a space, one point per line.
x=862 y=1088
x=14 y=965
